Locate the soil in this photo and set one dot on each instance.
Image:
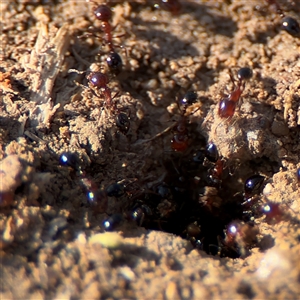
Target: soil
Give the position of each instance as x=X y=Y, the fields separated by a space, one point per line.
x=53 y=244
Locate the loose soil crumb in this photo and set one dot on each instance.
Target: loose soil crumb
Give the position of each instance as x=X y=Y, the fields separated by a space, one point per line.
x=52 y=243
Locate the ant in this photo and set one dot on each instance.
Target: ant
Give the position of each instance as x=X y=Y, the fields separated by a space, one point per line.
x=104 y=14
x=122 y=122
x=112 y=222
x=228 y=104
x=215 y=172
x=139 y=212
x=180 y=140
x=253 y=185
x=100 y=81
x=240 y=237
x=96 y=198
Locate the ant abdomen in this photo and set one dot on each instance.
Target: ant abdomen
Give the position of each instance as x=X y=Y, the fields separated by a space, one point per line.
x=226 y=108
x=114 y=63
x=179 y=142
x=211 y=152
x=122 y=122
x=115 y=190
x=291 y=26
x=112 y=222
x=188 y=99
x=253 y=185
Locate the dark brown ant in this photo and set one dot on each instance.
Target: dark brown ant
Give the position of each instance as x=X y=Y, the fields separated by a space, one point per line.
x=228 y=104
x=114 y=62
x=115 y=190
x=215 y=171
x=98 y=82
x=252 y=203
x=69 y=159
x=98 y=201
x=180 y=140
x=291 y=26
x=275 y=213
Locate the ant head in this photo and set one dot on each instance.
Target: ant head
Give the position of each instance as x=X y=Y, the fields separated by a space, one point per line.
x=188 y=99
x=253 y=185
x=103 y=13
x=97 y=79
x=122 y=122
x=244 y=74
x=211 y=152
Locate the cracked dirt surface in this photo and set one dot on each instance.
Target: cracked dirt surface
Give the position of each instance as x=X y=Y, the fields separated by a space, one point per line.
x=52 y=243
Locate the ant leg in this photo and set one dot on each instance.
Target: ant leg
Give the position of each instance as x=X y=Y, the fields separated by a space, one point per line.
x=77 y=71
x=140 y=142
x=79 y=58
x=232 y=78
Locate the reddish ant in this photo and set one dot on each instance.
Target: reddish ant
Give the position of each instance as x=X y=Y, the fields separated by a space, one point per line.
x=180 y=140
x=228 y=104
x=104 y=14
x=99 y=81
x=215 y=173
x=240 y=237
